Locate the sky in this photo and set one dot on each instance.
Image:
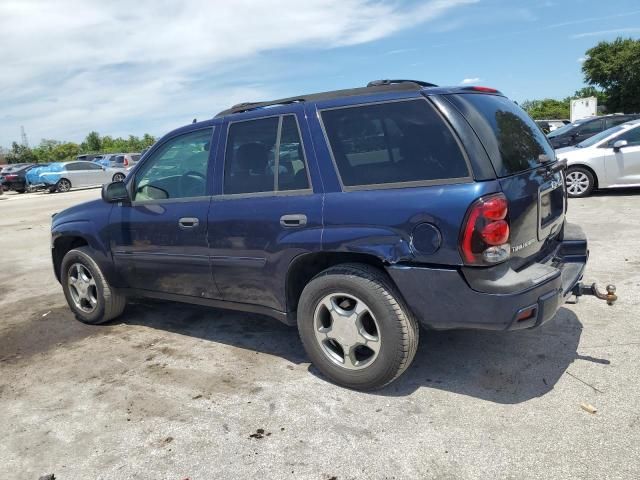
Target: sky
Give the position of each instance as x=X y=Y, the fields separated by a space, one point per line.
x=68 y=67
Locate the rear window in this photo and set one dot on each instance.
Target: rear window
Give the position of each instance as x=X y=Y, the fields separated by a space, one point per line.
x=393 y=142
x=512 y=139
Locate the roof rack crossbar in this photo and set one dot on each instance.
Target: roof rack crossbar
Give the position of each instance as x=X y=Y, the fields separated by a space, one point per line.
x=376 y=83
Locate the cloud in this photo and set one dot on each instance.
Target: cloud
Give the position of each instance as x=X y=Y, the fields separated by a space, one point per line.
x=582 y=59
x=467 y=81
x=71 y=66
x=601 y=33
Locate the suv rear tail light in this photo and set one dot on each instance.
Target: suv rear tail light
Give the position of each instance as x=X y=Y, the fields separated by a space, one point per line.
x=485 y=235
x=126 y=162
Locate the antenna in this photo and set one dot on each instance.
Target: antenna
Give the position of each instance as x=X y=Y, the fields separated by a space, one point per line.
x=23 y=136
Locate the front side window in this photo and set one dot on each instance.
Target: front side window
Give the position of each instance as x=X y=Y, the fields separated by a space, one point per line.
x=264 y=155
x=392 y=142
x=74 y=167
x=632 y=136
x=178 y=169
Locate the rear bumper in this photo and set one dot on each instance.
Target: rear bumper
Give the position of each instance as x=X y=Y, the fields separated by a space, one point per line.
x=493 y=299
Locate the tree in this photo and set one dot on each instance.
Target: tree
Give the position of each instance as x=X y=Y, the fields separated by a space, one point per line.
x=615 y=67
x=93 y=143
x=592 y=92
x=20 y=154
x=547 y=108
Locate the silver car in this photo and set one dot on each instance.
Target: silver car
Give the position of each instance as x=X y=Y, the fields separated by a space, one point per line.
x=79 y=174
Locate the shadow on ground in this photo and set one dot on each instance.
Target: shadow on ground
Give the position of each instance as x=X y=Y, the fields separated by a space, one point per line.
x=502 y=367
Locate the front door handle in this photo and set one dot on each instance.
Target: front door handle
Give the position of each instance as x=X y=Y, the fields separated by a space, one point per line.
x=187 y=223
x=297 y=220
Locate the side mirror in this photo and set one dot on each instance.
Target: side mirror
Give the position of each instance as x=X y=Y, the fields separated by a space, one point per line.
x=619 y=144
x=115 y=192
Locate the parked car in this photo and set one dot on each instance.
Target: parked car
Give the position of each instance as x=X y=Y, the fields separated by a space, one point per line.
x=62 y=177
x=610 y=159
x=550 y=125
x=14 y=178
x=580 y=130
x=356 y=215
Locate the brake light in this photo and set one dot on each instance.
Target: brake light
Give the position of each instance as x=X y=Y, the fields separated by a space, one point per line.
x=485 y=236
x=482 y=89
x=10 y=176
x=126 y=162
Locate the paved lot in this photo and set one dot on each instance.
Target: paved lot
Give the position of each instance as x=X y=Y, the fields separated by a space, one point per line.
x=171 y=391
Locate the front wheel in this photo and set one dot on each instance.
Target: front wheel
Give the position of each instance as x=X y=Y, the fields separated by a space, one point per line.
x=118 y=177
x=63 y=185
x=355 y=327
x=580 y=182
x=87 y=291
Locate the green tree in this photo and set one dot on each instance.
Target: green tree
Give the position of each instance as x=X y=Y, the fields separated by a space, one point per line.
x=93 y=143
x=547 y=108
x=20 y=154
x=591 y=92
x=615 y=68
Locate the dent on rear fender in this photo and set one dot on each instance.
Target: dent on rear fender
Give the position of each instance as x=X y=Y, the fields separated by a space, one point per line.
x=385 y=245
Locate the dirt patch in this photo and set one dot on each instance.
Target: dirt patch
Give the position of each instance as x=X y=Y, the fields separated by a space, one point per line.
x=38 y=334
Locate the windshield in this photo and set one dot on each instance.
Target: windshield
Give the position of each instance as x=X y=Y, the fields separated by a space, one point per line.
x=564 y=129
x=599 y=137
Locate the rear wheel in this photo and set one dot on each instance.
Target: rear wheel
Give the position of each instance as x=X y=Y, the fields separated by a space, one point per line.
x=118 y=177
x=63 y=185
x=88 y=293
x=580 y=182
x=355 y=328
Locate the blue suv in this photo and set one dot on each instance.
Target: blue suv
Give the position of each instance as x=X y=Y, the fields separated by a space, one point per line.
x=357 y=215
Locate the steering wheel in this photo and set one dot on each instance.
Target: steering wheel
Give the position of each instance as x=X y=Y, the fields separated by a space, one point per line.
x=190 y=188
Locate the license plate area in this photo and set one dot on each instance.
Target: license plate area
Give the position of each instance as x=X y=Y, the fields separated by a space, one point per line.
x=551 y=207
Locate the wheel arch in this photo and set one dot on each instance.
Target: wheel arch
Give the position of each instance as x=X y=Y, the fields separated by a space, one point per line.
x=304 y=267
x=590 y=169
x=61 y=246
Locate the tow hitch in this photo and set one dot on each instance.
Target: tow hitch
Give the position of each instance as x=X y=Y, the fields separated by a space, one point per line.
x=610 y=297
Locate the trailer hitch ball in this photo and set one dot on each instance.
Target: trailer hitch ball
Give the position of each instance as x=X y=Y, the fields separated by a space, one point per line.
x=610 y=296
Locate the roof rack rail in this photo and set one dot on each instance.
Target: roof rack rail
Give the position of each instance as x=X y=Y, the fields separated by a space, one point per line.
x=372 y=87
x=377 y=83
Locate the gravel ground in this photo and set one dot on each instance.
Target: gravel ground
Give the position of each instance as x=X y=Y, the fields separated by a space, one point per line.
x=171 y=391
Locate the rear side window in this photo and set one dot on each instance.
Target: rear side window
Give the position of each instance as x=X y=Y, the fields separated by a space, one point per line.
x=392 y=142
x=265 y=155
x=512 y=139
x=591 y=127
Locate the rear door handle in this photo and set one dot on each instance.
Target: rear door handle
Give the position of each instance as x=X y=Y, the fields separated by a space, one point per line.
x=186 y=223
x=297 y=220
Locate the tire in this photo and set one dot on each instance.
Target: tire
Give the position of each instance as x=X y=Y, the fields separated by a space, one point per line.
x=109 y=304
x=21 y=190
x=63 y=185
x=344 y=287
x=118 y=177
x=580 y=182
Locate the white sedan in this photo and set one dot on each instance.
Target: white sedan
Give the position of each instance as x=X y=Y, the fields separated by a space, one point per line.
x=62 y=177
x=610 y=159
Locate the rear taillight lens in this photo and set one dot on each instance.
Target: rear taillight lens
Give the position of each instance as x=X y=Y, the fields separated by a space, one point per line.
x=485 y=235
x=126 y=162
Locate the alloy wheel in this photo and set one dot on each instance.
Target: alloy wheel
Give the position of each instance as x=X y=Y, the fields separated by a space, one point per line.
x=347 y=331
x=82 y=287
x=577 y=183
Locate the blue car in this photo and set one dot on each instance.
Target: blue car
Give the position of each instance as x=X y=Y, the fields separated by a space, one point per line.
x=358 y=215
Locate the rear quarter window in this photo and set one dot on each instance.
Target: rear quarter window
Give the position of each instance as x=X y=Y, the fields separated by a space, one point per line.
x=393 y=142
x=512 y=139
